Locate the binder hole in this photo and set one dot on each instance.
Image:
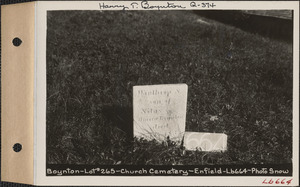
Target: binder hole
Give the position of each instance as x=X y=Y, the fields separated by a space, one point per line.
x=17 y=147
x=17 y=41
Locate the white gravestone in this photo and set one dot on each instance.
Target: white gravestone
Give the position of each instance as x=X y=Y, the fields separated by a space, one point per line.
x=159 y=111
x=205 y=141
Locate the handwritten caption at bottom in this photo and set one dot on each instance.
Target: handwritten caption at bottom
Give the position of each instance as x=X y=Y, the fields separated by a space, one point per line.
x=195 y=171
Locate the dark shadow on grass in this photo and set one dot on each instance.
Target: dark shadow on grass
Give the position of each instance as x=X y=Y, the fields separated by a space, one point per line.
x=121 y=117
x=273 y=27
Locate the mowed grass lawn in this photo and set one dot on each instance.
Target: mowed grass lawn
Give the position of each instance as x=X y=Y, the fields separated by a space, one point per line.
x=242 y=80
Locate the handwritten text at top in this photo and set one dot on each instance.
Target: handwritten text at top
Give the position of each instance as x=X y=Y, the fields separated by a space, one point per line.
x=153 y=6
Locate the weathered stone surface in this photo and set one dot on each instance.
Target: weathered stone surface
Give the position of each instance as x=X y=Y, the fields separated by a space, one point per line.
x=159 y=111
x=205 y=141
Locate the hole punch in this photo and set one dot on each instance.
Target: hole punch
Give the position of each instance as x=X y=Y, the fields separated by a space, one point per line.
x=17 y=41
x=17 y=147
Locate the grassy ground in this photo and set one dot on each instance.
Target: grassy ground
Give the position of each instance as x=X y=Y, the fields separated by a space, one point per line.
x=95 y=58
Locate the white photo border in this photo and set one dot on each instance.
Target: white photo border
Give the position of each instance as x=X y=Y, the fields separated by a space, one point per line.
x=40 y=103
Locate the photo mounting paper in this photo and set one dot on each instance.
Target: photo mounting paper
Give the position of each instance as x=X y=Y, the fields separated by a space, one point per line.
x=231 y=66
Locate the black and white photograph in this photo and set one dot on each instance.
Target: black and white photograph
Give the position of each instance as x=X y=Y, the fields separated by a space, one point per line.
x=132 y=89
x=150 y=93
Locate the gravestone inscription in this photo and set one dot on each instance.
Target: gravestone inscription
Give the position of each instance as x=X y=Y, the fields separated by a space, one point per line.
x=159 y=111
x=205 y=141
